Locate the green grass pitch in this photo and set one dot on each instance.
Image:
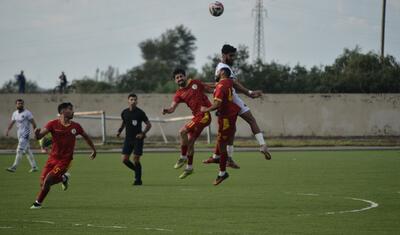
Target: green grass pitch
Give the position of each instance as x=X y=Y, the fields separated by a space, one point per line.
x=338 y=192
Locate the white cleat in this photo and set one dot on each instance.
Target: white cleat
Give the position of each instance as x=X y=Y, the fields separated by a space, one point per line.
x=264 y=150
x=36 y=205
x=11 y=169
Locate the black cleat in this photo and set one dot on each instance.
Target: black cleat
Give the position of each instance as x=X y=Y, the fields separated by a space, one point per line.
x=137 y=182
x=219 y=179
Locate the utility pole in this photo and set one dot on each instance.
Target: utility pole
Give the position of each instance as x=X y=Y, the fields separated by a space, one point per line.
x=383 y=30
x=258 y=43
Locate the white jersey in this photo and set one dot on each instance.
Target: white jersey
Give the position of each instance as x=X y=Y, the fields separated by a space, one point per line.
x=223 y=65
x=23 y=123
x=236 y=98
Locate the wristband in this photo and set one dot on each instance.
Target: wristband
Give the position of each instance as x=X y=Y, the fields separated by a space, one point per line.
x=250 y=92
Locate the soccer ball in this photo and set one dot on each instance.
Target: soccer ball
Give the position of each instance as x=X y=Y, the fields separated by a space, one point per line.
x=46 y=141
x=216 y=8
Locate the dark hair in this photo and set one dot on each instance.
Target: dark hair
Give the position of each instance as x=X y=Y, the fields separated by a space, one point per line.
x=226 y=71
x=132 y=95
x=19 y=100
x=178 y=71
x=228 y=49
x=63 y=106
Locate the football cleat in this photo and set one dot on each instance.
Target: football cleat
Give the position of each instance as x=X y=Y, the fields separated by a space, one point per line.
x=211 y=160
x=34 y=169
x=230 y=163
x=65 y=183
x=186 y=173
x=11 y=169
x=36 y=205
x=219 y=179
x=137 y=182
x=180 y=163
x=264 y=150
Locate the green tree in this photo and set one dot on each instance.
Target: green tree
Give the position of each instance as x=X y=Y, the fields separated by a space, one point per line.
x=11 y=86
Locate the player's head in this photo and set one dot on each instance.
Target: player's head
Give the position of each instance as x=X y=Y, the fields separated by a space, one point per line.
x=66 y=110
x=180 y=77
x=223 y=73
x=20 y=104
x=132 y=100
x=228 y=54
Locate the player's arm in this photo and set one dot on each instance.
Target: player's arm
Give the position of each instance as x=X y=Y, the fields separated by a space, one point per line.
x=32 y=121
x=240 y=88
x=146 y=129
x=121 y=128
x=90 y=143
x=209 y=87
x=39 y=133
x=214 y=106
x=171 y=108
x=10 y=125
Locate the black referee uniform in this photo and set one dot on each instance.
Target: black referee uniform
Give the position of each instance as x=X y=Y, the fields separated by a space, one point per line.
x=133 y=126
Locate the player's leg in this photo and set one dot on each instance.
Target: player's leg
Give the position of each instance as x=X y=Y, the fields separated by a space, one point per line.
x=190 y=154
x=230 y=149
x=126 y=152
x=22 y=143
x=138 y=152
x=249 y=118
x=51 y=174
x=183 y=133
x=31 y=159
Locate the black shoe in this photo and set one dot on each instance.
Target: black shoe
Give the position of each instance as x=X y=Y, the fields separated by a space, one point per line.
x=219 y=179
x=137 y=182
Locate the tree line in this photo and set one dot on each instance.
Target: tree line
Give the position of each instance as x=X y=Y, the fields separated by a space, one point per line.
x=352 y=71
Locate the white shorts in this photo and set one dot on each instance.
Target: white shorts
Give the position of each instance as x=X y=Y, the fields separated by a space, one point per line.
x=240 y=103
x=23 y=144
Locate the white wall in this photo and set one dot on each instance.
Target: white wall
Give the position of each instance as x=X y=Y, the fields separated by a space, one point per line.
x=277 y=115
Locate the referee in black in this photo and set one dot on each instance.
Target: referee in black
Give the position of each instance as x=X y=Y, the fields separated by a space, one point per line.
x=132 y=119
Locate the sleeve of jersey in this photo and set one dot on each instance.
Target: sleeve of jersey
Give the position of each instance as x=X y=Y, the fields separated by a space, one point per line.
x=219 y=92
x=79 y=129
x=145 y=118
x=30 y=116
x=49 y=126
x=13 y=117
x=177 y=98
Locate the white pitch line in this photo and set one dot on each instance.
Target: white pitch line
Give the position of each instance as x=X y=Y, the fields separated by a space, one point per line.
x=5 y=227
x=159 y=229
x=308 y=194
x=105 y=226
x=371 y=205
x=43 y=221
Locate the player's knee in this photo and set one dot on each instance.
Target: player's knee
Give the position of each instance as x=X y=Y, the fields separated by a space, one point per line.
x=125 y=159
x=183 y=131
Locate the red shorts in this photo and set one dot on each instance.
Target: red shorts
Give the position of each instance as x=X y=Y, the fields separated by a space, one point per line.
x=226 y=128
x=55 y=166
x=197 y=124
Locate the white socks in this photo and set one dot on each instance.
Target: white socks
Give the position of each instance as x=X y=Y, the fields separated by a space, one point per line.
x=18 y=158
x=31 y=158
x=184 y=157
x=221 y=173
x=229 y=150
x=260 y=138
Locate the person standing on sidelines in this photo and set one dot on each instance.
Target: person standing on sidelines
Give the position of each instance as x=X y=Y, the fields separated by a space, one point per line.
x=192 y=93
x=228 y=111
x=64 y=132
x=24 y=119
x=228 y=58
x=132 y=118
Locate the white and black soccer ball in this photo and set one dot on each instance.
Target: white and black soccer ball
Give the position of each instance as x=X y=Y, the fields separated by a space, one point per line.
x=216 y=8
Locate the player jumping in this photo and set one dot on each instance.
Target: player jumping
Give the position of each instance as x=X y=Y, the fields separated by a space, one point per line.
x=228 y=58
x=227 y=115
x=192 y=93
x=64 y=132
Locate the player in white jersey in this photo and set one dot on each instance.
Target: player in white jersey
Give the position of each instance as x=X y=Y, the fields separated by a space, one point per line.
x=228 y=57
x=24 y=119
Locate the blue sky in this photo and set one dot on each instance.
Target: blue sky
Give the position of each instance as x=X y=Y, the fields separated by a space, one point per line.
x=45 y=37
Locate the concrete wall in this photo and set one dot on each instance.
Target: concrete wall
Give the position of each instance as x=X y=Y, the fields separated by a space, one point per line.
x=277 y=115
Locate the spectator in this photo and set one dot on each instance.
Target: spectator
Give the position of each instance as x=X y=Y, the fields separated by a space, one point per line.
x=63 y=82
x=21 y=80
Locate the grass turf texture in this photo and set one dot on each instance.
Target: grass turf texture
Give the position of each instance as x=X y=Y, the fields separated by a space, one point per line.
x=288 y=195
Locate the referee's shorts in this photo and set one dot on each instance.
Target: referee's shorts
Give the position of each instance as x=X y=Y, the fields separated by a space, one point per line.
x=133 y=145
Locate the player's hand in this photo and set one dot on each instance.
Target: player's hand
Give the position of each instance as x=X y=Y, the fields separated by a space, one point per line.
x=118 y=134
x=93 y=155
x=7 y=133
x=37 y=131
x=140 y=136
x=203 y=109
x=256 y=94
x=165 y=111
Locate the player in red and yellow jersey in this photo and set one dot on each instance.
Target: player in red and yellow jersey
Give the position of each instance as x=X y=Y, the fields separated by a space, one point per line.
x=64 y=132
x=192 y=93
x=227 y=115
